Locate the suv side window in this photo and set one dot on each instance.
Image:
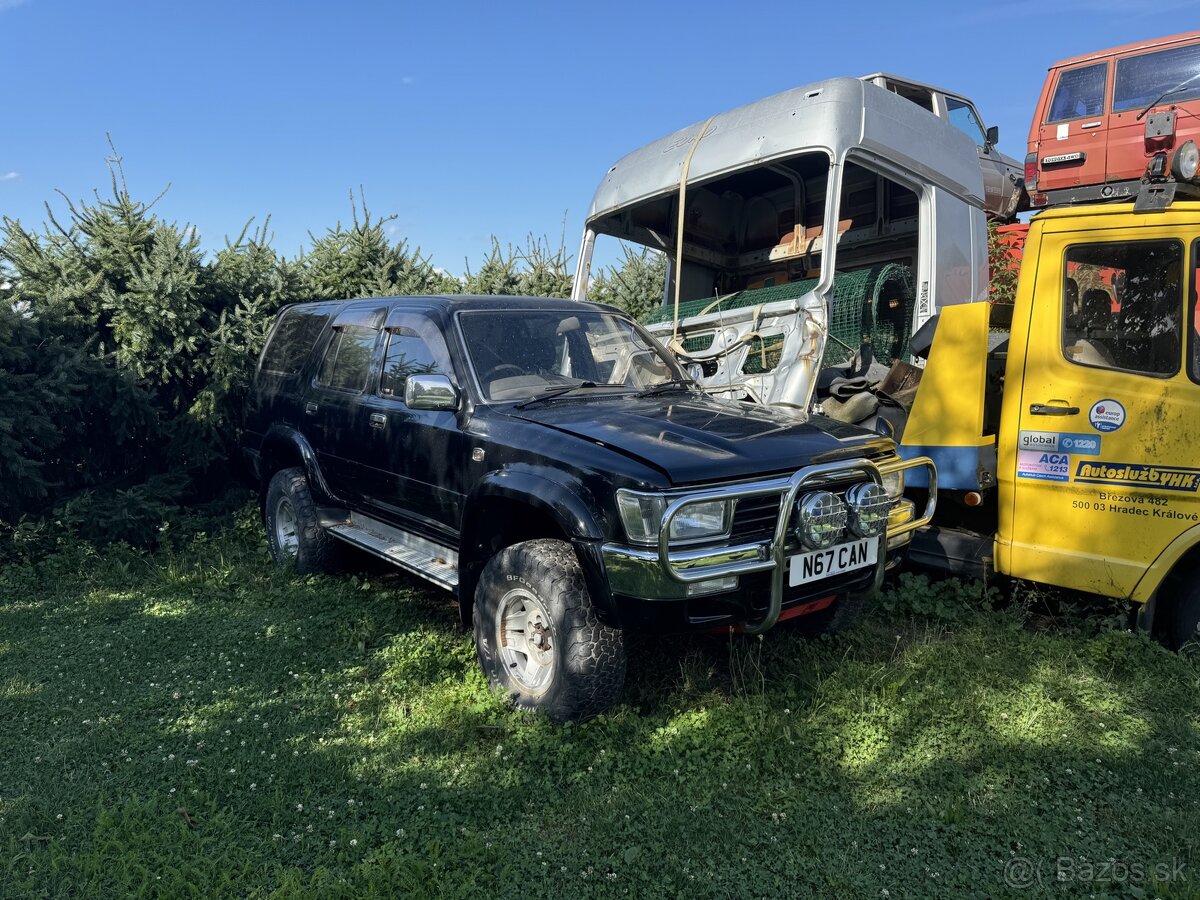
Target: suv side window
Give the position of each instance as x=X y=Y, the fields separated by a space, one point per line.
x=963 y=117
x=1080 y=92
x=1142 y=79
x=347 y=361
x=292 y=340
x=414 y=347
x=1122 y=306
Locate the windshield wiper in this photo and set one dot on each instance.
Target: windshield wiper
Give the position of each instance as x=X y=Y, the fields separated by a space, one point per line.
x=674 y=384
x=551 y=392
x=1178 y=87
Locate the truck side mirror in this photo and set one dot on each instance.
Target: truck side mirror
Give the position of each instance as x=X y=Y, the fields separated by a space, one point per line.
x=993 y=135
x=430 y=392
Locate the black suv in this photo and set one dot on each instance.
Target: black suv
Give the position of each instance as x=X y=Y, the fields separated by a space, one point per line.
x=552 y=464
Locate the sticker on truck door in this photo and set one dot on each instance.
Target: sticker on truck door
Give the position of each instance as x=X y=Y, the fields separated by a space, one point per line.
x=1042 y=466
x=1058 y=442
x=1106 y=415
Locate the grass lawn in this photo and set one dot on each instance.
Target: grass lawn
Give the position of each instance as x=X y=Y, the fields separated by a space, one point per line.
x=196 y=723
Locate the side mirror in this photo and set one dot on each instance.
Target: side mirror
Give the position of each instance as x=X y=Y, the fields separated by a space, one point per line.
x=430 y=392
x=993 y=135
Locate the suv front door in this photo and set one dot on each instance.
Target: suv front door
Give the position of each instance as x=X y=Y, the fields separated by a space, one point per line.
x=413 y=460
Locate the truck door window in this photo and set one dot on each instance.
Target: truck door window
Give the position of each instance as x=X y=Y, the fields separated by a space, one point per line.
x=963 y=117
x=1122 y=306
x=1080 y=92
x=1142 y=79
x=348 y=358
x=1193 y=306
x=413 y=348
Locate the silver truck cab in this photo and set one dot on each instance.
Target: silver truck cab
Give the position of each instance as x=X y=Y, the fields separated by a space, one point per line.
x=1004 y=193
x=798 y=229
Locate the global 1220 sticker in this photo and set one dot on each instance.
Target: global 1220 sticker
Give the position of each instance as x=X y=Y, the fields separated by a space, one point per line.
x=1163 y=478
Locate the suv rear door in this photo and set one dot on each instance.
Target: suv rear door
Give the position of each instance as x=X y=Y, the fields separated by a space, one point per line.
x=1073 y=133
x=334 y=414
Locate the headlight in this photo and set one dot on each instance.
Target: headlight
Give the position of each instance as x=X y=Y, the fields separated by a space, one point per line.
x=893 y=484
x=1186 y=161
x=869 y=506
x=822 y=519
x=642 y=515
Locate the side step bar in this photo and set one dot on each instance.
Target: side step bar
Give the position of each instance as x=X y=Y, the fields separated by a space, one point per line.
x=422 y=557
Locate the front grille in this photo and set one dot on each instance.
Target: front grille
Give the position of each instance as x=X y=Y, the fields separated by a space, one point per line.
x=754 y=517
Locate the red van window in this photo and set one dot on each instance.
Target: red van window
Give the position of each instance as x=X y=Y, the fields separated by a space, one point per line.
x=1080 y=92
x=1143 y=79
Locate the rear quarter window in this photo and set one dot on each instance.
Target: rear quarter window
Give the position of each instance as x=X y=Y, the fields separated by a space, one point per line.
x=1080 y=92
x=292 y=341
x=1141 y=80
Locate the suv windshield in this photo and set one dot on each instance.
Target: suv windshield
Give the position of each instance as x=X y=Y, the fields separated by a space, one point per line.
x=524 y=354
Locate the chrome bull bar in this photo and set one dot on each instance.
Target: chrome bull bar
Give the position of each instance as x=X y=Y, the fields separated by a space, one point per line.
x=689 y=566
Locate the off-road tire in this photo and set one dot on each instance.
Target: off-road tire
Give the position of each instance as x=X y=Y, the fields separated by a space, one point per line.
x=587 y=658
x=1184 y=628
x=314 y=551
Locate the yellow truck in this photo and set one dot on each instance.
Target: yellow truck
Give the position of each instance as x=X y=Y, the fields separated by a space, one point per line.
x=1066 y=427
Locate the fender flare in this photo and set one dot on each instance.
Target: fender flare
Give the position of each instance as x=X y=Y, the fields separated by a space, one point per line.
x=1165 y=565
x=567 y=504
x=282 y=442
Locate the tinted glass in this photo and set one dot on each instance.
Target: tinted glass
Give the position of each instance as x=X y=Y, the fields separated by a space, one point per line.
x=408 y=353
x=963 y=118
x=348 y=359
x=1122 y=306
x=1143 y=79
x=1080 y=92
x=293 y=338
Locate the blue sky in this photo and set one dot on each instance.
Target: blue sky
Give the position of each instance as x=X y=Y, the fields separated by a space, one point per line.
x=464 y=119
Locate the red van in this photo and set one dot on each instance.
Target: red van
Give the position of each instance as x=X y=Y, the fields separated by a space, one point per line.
x=1104 y=117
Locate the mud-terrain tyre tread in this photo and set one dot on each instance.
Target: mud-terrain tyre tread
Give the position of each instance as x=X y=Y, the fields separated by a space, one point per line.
x=318 y=553
x=590 y=660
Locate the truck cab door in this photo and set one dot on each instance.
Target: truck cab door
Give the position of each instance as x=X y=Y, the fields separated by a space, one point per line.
x=1100 y=434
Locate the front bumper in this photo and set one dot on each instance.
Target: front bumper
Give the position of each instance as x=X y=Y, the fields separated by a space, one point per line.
x=663 y=573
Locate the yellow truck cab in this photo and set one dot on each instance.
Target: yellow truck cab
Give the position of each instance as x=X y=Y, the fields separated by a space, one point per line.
x=1085 y=406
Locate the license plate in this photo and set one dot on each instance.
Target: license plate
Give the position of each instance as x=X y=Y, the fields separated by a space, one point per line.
x=846 y=557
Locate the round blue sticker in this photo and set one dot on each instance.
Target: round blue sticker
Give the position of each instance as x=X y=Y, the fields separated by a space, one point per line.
x=1107 y=415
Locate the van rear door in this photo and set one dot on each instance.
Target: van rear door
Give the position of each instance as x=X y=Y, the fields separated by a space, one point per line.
x=1100 y=432
x=1073 y=134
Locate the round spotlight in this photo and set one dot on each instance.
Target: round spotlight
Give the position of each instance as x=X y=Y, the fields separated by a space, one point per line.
x=822 y=519
x=869 y=507
x=1186 y=161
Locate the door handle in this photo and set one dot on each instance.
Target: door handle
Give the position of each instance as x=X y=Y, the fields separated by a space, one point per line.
x=1087 y=125
x=1046 y=409
x=378 y=420
x=310 y=409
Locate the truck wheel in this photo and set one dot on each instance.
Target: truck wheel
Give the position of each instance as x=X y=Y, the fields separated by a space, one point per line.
x=538 y=637
x=1185 y=622
x=294 y=535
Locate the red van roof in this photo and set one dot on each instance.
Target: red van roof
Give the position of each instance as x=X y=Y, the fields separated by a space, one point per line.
x=1138 y=45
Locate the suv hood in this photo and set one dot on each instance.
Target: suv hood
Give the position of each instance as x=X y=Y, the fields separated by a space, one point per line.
x=696 y=439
